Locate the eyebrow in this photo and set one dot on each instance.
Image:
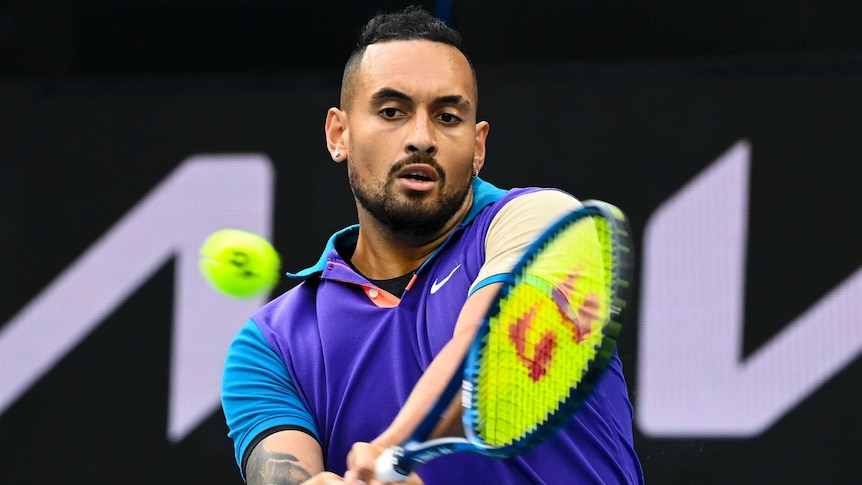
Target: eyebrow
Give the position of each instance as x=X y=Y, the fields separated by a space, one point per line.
x=385 y=94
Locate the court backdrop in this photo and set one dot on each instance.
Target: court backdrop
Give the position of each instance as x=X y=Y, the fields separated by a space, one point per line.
x=740 y=179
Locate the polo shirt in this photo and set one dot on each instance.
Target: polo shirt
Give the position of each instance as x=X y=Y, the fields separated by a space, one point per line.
x=337 y=357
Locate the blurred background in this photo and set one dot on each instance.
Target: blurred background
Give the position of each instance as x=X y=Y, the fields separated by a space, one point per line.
x=730 y=133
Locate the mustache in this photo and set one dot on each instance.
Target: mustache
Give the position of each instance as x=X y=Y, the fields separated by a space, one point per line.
x=417 y=157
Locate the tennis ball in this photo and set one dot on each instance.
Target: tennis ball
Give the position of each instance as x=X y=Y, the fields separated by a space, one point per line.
x=239 y=263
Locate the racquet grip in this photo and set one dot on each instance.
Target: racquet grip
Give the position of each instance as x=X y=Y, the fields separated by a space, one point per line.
x=386 y=467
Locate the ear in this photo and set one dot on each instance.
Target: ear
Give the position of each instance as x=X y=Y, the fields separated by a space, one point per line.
x=482 y=129
x=336 y=134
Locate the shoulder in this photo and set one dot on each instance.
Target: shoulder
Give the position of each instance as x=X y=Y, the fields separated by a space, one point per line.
x=523 y=210
x=539 y=200
x=534 y=207
x=291 y=308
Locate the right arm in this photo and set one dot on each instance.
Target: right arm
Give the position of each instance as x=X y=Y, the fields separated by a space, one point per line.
x=274 y=435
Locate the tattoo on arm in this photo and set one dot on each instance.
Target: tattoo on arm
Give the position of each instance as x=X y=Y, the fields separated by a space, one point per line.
x=272 y=468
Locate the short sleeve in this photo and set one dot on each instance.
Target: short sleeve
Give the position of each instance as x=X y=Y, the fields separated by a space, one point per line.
x=516 y=226
x=258 y=393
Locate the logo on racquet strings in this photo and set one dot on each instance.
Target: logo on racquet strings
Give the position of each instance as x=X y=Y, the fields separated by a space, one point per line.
x=577 y=319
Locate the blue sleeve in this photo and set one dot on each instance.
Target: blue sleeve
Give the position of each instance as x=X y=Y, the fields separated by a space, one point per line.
x=258 y=393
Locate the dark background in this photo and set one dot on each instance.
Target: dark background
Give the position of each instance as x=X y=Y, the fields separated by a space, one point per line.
x=624 y=101
x=84 y=38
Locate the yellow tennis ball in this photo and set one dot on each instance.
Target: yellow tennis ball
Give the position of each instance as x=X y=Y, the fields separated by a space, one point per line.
x=239 y=263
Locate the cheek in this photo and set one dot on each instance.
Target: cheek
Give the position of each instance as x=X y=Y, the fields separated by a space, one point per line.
x=368 y=162
x=373 y=144
x=463 y=156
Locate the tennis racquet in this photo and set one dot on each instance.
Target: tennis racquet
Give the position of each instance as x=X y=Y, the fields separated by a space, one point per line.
x=542 y=346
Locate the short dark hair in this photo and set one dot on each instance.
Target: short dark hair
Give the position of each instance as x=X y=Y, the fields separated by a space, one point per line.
x=411 y=23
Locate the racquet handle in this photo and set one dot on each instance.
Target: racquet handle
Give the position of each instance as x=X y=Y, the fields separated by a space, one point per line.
x=386 y=467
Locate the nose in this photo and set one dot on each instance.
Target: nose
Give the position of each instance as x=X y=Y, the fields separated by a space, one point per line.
x=422 y=137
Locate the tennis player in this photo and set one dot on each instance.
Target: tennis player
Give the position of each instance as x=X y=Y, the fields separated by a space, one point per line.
x=333 y=360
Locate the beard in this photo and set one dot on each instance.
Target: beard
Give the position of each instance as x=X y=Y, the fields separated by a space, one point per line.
x=420 y=215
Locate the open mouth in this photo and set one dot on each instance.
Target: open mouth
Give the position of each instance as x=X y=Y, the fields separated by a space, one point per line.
x=417 y=176
x=418 y=173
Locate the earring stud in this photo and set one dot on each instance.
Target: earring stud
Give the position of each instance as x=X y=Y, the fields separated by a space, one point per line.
x=336 y=154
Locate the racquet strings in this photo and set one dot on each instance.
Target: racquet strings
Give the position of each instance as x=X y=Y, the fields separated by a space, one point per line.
x=550 y=329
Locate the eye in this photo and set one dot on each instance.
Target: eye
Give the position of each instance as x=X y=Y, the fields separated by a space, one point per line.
x=449 y=118
x=389 y=113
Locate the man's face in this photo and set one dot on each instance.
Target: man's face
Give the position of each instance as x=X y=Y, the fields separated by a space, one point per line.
x=411 y=135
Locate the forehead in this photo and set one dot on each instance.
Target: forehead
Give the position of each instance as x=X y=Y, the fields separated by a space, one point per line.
x=416 y=68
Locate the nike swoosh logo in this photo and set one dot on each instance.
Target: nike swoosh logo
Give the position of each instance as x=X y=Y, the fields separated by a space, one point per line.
x=436 y=286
